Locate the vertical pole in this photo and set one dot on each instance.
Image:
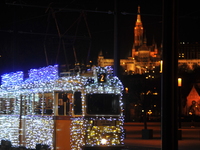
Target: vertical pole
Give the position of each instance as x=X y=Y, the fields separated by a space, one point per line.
x=20 y=122
x=179 y=101
x=169 y=134
x=116 y=42
x=14 y=44
x=180 y=106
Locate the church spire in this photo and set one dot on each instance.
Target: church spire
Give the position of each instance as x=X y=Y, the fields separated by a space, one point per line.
x=138 y=16
x=138 y=30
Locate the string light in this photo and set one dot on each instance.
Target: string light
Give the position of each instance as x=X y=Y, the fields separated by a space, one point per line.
x=40 y=129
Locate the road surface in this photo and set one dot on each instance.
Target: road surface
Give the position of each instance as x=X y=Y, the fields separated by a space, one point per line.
x=190 y=137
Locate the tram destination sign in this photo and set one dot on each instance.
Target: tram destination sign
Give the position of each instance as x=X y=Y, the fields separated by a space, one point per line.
x=104 y=123
x=102 y=78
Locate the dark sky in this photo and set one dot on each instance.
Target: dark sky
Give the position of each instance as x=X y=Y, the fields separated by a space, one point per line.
x=28 y=28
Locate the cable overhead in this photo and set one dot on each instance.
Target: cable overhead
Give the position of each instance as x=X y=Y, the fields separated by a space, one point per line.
x=53 y=10
x=60 y=38
x=59 y=9
x=87 y=59
x=45 y=51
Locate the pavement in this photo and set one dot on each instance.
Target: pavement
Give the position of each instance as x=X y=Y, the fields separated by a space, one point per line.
x=190 y=137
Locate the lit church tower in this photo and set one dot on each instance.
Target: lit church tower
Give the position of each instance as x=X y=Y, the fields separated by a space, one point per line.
x=143 y=59
x=138 y=30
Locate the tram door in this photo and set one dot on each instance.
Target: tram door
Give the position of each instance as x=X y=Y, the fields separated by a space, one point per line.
x=63 y=102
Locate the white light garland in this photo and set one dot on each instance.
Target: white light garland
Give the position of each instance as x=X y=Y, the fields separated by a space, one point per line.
x=9 y=128
x=40 y=129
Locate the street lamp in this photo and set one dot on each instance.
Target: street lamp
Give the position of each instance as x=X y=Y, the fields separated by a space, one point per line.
x=179 y=95
x=179 y=82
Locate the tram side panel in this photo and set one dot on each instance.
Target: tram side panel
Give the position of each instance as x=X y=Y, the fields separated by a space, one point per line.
x=53 y=128
x=77 y=128
x=37 y=123
x=62 y=120
x=9 y=129
x=9 y=119
x=45 y=120
x=103 y=121
x=62 y=133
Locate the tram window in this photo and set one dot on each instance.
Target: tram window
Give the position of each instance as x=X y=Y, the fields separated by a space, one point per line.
x=17 y=106
x=64 y=99
x=37 y=104
x=7 y=105
x=28 y=101
x=11 y=106
x=77 y=103
x=43 y=103
x=2 y=106
x=103 y=104
x=48 y=103
x=25 y=104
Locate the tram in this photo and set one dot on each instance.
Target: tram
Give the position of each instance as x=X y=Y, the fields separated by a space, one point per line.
x=81 y=111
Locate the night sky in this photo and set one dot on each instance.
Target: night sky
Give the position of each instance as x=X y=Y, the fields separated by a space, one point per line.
x=28 y=29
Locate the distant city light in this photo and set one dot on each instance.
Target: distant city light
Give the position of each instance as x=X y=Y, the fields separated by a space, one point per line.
x=179 y=82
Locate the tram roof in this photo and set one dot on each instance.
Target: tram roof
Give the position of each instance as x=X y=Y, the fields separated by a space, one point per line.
x=49 y=77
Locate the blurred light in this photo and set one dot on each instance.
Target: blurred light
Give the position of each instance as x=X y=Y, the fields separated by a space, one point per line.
x=126 y=89
x=149 y=112
x=103 y=141
x=161 y=66
x=179 y=82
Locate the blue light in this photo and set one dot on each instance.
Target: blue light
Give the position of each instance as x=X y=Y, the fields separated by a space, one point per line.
x=43 y=74
x=13 y=78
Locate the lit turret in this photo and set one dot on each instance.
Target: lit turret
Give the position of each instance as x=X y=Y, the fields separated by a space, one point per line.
x=138 y=30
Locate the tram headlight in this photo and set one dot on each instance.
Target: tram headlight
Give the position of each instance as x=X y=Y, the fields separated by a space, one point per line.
x=103 y=141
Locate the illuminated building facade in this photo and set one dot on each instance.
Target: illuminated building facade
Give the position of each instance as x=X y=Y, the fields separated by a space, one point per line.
x=189 y=55
x=143 y=57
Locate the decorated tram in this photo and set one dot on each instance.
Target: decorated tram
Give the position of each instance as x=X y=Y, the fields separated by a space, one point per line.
x=76 y=111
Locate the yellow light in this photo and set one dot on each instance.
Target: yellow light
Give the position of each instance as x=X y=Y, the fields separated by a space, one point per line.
x=126 y=89
x=155 y=93
x=179 y=82
x=161 y=66
x=149 y=112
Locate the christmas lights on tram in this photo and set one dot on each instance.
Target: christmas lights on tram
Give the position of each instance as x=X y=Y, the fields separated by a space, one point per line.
x=76 y=112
